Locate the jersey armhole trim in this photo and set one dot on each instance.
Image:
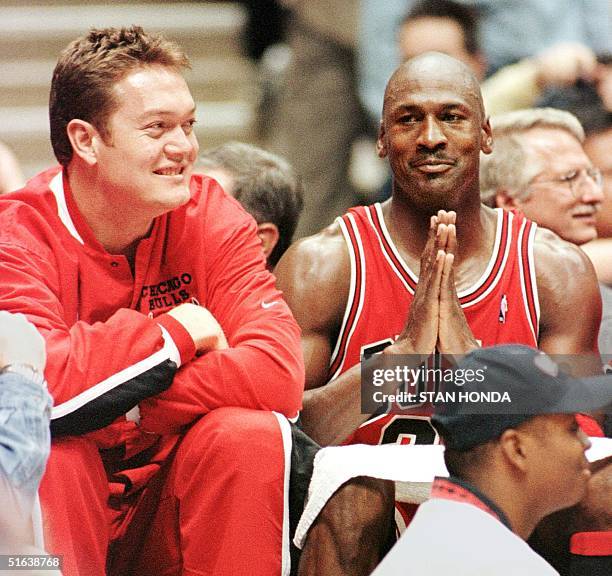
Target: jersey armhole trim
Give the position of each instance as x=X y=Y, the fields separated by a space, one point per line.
x=354 y=302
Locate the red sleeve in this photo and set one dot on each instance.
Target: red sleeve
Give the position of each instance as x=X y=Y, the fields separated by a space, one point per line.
x=263 y=368
x=95 y=372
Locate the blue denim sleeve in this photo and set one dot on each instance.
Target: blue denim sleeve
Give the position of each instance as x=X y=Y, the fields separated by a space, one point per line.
x=25 y=439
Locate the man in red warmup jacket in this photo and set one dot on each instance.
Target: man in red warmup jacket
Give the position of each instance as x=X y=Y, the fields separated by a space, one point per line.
x=168 y=344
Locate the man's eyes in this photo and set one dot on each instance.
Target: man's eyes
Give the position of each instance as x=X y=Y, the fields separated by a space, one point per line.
x=570 y=176
x=188 y=126
x=156 y=129
x=451 y=117
x=444 y=117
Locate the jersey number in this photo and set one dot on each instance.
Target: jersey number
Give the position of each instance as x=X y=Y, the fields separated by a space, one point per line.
x=409 y=430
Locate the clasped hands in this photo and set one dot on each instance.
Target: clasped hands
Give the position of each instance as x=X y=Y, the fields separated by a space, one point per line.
x=436 y=319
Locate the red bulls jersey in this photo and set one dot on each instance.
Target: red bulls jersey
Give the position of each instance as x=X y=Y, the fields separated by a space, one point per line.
x=501 y=307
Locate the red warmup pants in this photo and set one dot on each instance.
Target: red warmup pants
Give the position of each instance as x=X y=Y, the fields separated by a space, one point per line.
x=218 y=508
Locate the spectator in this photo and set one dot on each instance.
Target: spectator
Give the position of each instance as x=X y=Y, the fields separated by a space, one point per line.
x=319 y=114
x=508 y=471
x=167 y=341
x=265 y=185
x=453 y=28
x=510 y=32
x=539 y=167
x=591 y=102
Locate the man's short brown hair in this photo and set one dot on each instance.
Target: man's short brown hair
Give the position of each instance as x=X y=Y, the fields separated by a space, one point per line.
x=87 y=71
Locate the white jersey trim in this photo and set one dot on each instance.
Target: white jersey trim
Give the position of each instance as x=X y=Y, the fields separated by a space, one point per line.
x=57 y=187
x=385 y=231
x=285 y=429
x=354 y=292
x=500 y=272
x=534 y=283
x=534 y=286
x=492 y=259
x=167 y=352
x=474 y=287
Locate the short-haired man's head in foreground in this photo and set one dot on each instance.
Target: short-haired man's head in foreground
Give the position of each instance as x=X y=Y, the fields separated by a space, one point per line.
x=529 y=457
x=121 y=117
x=507 y=470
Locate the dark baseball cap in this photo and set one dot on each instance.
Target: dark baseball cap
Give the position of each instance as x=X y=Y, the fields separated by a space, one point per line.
x=532 y=383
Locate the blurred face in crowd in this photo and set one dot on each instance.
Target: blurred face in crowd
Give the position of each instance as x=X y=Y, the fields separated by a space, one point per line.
x=145 y=162
x=565 y=196
x=598 y=147
x=438 y=35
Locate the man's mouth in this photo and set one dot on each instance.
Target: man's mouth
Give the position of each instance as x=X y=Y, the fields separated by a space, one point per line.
x=170 y=171
x=432 y=165
x=588 y=217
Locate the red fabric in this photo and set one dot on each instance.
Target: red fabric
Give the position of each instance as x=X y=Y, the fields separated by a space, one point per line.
x=215 y=508
x=589 y=426
x=443 y=488
x=591 y=543
x=73 y=494
x=98 y=319
x=498 y=308
x=180 y=337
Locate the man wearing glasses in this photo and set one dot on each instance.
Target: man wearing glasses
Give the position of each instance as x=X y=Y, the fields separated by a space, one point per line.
x=539 y=167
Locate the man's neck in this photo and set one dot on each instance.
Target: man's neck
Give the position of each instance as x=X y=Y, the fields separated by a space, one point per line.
x=413 y=220
x=510 y=499
x=475 y=224
x=115 y=226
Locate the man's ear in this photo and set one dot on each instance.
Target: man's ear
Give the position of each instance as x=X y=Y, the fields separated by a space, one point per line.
x=505 y=200
x=269 y=235
x=84 y=138
x=486 y=146
x=381 y=147
x=513 y=445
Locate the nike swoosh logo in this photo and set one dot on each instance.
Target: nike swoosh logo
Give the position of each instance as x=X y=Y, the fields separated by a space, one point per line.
x=266 y=305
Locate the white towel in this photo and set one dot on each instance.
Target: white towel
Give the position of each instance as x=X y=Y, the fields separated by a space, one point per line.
x=412 y=467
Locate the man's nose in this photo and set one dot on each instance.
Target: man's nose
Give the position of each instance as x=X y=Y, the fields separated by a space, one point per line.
x=431 y=135
x=180 y=143
x=589 y=188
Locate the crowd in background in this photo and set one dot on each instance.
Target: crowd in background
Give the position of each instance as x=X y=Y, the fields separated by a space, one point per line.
x=545 y=72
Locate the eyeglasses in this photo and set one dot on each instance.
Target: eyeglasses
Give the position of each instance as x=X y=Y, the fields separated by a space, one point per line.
x=576 y=179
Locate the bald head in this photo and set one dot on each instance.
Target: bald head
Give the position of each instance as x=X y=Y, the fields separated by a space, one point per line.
x=433 y=131
x=435 y=68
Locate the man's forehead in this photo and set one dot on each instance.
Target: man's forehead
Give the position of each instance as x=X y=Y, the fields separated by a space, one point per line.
x=550 y=141
x=435 y=77
x=432 y=91
x=154 y=90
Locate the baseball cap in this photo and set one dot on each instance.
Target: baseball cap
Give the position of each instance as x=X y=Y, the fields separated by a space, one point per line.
x=533 y=383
